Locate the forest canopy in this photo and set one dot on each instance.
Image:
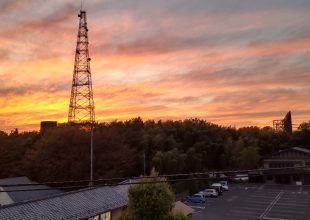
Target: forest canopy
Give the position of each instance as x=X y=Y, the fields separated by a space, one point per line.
x=191 y=145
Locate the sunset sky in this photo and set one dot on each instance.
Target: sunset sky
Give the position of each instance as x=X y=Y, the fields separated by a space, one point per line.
x=230 y=62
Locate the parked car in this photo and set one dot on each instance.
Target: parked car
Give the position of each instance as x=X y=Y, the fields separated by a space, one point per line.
x=211 y=192
x=218 y=187
x=222 y=175
x=203 y=193
x=197 y=198
x=241 y=178
x=224 y=184
x=217 y=175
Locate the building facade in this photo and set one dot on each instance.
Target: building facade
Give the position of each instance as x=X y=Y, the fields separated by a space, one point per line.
x=297 y=158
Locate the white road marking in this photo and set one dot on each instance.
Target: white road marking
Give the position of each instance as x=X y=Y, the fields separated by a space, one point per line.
x=298 y=201
x=261 y=202
x=295 y=200
x=253 y=208
x=232 y=198
x=263 y=196
x=271 y=191
x=268 y=218
x=197 y=207
x=289 y=195
x=269 y=207
x=304 y=197
x=263 y=206
x=293 y=212
x=250 y=187
x=244 y=215
x=264 y=203
x=291 y=204
x=261 y=187
x=246 y=212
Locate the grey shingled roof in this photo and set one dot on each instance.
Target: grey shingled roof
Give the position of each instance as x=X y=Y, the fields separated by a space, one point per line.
x=26 y=195
x=74 y=205
x=123 y=188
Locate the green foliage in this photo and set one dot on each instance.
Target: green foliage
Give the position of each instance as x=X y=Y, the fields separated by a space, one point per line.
x=304 y=126
x=240 y=154
x=177 y=216
x=150 y=201
x=13 y=149
x=171 y=161
x=62 y=152
x=248 y=158
x=191 y=145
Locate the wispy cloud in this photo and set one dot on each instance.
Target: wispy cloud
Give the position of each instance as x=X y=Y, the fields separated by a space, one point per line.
x=238 y=62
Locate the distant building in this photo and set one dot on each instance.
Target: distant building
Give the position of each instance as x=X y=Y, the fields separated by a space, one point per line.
x=25 y=193
x=46 y=125
x=292 y=157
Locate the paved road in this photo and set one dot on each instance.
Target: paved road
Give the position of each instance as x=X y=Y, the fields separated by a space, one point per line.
x=269 y=202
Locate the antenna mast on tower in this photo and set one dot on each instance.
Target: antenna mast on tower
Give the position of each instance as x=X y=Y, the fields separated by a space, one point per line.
x=81 y=108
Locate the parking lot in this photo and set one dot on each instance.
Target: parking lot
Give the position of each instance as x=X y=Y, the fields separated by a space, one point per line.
x=271 y=202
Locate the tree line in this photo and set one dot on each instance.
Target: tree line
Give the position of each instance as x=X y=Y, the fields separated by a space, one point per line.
x=122 y=147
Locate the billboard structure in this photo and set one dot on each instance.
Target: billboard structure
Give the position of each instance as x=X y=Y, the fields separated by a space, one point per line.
x=284 y=124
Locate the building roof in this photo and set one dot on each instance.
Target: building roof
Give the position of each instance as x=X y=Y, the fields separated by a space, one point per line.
x=26 y=195
x=301 y=149
x=73 y=205
x=182 y=208
x=123 y=187
x=304 y=150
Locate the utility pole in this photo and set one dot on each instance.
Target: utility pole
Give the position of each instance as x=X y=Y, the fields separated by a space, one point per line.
x=144 y=173
x=91 y=179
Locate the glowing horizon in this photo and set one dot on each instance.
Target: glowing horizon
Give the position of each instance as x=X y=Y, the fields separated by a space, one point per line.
x=238 y=63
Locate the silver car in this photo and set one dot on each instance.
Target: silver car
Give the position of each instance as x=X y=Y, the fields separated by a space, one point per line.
x=224 y=185
x=211 y=192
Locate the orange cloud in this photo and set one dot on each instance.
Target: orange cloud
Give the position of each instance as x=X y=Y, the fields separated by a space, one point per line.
x=231 y=66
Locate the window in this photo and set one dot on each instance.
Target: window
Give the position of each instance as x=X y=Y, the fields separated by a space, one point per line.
x=94 y=218
x=105 y=216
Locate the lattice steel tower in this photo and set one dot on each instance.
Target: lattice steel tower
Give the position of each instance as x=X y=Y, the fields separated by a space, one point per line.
x=81 y=108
